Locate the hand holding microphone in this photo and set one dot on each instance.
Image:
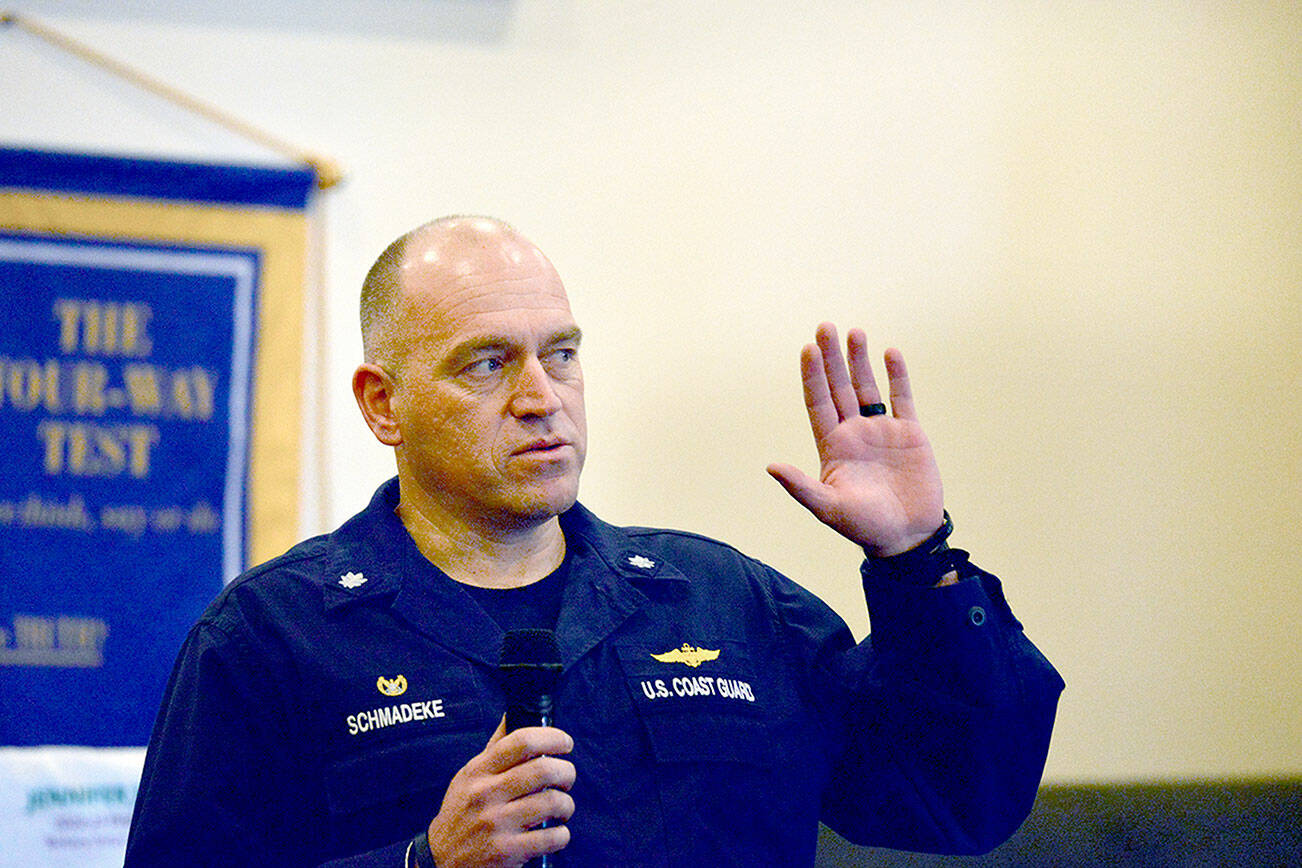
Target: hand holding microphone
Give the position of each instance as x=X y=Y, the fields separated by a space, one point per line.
x=508 y=804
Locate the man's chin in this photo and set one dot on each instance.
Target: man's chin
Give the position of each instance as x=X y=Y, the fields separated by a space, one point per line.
x=544 y=506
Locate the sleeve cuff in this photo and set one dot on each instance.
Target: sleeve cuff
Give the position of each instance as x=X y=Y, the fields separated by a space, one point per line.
x=920 y=567
x=913 y=618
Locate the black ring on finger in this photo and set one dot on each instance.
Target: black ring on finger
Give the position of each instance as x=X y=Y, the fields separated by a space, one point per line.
x=872 y=409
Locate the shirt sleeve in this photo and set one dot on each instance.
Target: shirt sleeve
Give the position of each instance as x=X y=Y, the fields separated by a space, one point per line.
x=209 y=763
x=939 y=720
x=220 y=784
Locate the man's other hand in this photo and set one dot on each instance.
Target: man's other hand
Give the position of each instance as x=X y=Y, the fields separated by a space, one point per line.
x=878 y=483
x=494 y=804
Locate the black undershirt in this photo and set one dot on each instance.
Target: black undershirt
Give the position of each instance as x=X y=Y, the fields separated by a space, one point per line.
x=536 y=606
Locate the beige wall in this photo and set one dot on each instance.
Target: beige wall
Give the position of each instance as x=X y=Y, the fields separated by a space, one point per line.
x=1082 y=223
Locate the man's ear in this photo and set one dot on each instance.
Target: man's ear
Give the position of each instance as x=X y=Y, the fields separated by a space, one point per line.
x=373 y=388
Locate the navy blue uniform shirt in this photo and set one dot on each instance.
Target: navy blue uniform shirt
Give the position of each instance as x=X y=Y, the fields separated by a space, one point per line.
x=319 y=708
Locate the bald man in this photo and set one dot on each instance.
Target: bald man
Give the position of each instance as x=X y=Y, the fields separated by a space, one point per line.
x=341 y=703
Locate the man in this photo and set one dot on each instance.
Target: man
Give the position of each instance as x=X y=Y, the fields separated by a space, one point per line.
x=341 y=702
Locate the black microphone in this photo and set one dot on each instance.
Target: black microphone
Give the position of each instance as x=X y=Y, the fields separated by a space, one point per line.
x=529 y=666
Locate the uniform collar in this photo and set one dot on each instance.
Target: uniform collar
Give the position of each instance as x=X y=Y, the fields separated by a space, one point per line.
x=366 y=553
x=373 y=556
x=610 y=577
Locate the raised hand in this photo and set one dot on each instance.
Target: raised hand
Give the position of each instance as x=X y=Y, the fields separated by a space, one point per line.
x=878 y=483
x=495 y=802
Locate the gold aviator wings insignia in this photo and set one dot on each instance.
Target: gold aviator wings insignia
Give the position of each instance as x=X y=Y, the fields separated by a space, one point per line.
x=689 y=655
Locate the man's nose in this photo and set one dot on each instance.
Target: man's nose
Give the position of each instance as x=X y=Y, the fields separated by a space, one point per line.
x=535 y=393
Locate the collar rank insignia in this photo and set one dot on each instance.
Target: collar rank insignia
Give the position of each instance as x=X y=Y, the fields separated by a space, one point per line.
x=642 y=562
x=688 y=655
x=352 y=580
x=392 y=686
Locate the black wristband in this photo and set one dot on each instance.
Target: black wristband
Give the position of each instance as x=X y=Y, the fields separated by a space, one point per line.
x=419 y=853
x=922 y=566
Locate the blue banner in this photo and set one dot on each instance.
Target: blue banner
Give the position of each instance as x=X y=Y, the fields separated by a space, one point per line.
x=127 y=373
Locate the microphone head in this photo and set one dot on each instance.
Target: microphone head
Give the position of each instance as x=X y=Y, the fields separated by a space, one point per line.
x=529 y=668
x=530 y=648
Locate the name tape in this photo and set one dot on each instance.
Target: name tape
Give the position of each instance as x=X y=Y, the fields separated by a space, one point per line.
x=392 y=715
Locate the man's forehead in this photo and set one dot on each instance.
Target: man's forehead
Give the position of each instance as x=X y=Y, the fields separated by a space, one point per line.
x=502 y=295
x=478 y=278
x=521 y=309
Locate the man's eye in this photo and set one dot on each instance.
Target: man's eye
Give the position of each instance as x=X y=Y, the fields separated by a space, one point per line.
x=483 y=367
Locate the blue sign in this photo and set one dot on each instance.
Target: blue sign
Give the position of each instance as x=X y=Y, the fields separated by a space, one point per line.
x=125 y=379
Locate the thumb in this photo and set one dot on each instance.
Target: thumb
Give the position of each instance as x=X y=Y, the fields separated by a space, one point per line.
x=499 y=733
x=806 y=490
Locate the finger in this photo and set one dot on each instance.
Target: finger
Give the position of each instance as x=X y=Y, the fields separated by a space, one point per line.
x=861 y=369
x=838 y=380
x=537 y=808
x=806 y=490
x=818 y=400
x=902 y=406
x=497 y=733
x=525 y=744
x=537 y=775
x=536 y=842
x=519 y=835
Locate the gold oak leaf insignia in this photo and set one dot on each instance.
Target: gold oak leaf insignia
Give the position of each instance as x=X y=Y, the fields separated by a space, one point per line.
x=392 y=687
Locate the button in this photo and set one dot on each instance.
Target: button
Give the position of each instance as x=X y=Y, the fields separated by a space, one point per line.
x=976 y=616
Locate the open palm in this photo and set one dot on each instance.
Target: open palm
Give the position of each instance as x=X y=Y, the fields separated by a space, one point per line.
x=878 y=483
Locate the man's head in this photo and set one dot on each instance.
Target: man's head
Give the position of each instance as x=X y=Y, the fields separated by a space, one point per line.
x=471 y=373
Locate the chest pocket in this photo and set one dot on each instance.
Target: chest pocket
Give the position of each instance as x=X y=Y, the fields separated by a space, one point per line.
x=398 y=704
x=400 y=734
x=699 y=702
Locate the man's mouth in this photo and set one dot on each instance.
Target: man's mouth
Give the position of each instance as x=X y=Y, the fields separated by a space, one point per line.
x=543 y=446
